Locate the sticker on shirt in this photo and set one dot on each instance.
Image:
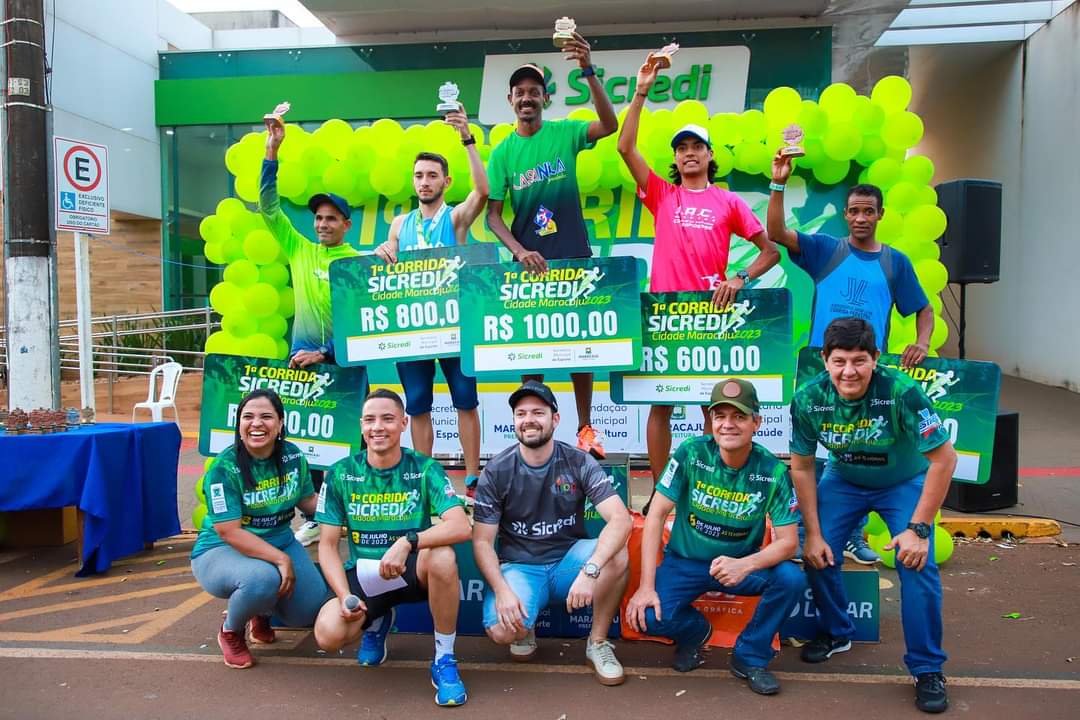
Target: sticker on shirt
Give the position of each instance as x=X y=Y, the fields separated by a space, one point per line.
x=669 y=472
x=320 y=506
x=545 y=222
x=217 y=499
x=563 y=485
x=864 y=458
x=695 y=218
x=718 y=532
x=266 y=522
x=928 y=422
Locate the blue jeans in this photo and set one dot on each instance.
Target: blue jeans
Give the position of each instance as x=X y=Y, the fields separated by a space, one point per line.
x=840 y=506
x=418 y=376
x=251 y=586
x=680 y=581
x=857 y=533
x=538 y=586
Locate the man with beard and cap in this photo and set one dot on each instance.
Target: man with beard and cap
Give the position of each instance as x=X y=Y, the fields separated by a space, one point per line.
x=309 y=265
x=694 y=224
x=437 y=224
x=531 y=497
x=536 y=165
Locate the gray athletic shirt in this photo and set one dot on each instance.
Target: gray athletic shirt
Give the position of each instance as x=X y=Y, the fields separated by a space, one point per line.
x=540 y=511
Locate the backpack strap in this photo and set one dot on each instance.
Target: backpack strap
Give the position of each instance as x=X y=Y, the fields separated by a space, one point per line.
x=840 y=253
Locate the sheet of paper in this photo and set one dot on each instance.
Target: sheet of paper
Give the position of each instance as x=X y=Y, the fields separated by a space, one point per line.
x=367 y=572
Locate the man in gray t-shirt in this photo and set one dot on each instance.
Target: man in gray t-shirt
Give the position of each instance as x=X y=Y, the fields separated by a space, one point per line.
x=532 y=498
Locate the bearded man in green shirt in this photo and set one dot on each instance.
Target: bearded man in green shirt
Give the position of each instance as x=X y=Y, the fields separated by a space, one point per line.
x=721 y=487
x=536 y=165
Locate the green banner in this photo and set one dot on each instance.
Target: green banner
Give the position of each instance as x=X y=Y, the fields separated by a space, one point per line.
x=689 y=344
x=965 y=395
x=322 y=404
x=581 y=315
x=405 y=311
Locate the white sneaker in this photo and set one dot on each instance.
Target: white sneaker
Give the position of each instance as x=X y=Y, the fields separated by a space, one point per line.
x=523 y=650
x=606 y=666
x=308 y=533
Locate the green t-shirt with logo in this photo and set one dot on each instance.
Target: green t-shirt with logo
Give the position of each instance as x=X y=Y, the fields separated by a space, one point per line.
x=540 y=173
x=377 y=506
x=265 y=510
x=876 y=441
x=721 y=510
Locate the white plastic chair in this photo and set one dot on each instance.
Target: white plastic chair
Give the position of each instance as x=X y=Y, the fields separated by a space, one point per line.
x=169 y=373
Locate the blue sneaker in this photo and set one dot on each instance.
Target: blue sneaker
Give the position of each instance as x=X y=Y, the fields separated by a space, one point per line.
x=373 y=650
x=857 y=549
x=449 y=690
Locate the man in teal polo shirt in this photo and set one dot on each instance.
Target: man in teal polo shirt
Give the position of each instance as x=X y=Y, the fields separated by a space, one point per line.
x=721 y=487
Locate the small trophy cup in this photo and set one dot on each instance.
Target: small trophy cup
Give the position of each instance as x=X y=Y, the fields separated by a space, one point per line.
x=793 y=135
x=564 y=31
x=662 y=57
x=273 y=119
x=448 y=93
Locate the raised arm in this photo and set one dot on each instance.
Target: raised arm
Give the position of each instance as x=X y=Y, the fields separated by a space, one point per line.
x=578 y=49
x=628 y=136
x=466 y=213
x=775 y=222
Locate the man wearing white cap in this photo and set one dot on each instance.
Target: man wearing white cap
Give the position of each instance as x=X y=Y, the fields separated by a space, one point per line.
x=694 y=223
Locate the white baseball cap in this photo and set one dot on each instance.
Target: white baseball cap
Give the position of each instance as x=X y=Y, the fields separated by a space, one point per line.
x=691 y=130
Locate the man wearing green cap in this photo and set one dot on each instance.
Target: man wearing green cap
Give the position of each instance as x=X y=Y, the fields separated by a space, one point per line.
x=309 y=265
x=721 y=486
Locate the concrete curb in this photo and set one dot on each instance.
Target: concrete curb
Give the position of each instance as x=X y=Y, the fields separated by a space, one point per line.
x=999 y=525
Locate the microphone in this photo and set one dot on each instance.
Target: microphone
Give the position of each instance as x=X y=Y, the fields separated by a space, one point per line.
x=352 y=603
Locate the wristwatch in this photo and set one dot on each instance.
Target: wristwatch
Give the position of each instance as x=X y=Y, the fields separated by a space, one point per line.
x=920 y=529
x=591 y=569
x=588 y=71
x=744 y=276
x=413 y=539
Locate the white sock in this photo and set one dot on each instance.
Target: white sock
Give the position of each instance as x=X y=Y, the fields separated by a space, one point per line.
x=444 y=644
x=376 y=624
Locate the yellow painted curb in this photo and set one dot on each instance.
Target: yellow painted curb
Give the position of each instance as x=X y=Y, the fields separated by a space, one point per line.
x=998 y=525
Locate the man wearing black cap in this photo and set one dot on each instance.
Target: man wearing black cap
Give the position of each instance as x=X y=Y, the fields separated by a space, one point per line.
x=312 y=334
x=721 y=486
x=532 y=498
x=536 y=165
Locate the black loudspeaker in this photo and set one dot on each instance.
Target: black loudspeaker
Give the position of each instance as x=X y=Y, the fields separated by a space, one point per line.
x=971 y=245
x=1001 y=490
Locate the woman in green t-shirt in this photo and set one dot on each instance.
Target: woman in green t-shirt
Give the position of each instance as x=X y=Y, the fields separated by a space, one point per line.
x=246 y=552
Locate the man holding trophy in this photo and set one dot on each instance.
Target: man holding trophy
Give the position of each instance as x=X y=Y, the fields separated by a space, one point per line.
x=536 y=165
x=694 y=223
x=436 y=224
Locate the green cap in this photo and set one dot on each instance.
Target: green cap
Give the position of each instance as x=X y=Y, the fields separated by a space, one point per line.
x=737 y=393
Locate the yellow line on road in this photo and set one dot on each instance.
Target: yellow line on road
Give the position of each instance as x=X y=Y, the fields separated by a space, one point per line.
x=631 y=672
x=90 y=602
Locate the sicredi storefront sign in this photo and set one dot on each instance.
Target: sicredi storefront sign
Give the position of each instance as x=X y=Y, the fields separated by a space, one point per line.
x=716 y=76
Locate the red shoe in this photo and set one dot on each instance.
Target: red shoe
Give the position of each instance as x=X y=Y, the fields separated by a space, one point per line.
x=235 y=649
x=589 y=441
x=259 y=630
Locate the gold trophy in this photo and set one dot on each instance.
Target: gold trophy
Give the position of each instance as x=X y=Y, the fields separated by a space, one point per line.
x=793 y=135
x=662 y=57
x=564 y=31
x=448 y=93
x=273 y=119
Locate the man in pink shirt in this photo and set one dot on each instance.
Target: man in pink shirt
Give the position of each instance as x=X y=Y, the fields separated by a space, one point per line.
x=694 y=223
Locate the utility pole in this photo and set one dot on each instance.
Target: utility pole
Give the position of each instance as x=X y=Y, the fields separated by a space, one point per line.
x=33 y=353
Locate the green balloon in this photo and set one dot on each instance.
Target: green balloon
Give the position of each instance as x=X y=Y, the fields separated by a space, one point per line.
x=884 y=173
x=892 y=93
x=200 y=491
x=259 y=345
x=229 y=208
x=275 y=274
x=219 y=343
x=873 y=149
x=273 y=325
x=315 y=159
x=499 y=133
x=917 y=169
x=842 y=141
x=831 y=172
x=925 y=223
x=282 y=349
x=943 y=545
x=291 y=179
x=932 y=276
x=724 y=129
x=226 y=298
x=815 y=154
x=261 y=247
x=812 y=119
x=751 y=157
x=868 y=117
x=215 y=253
x=902 y=130
x=877 y=543
x=212 y=229
x=232 y=248
x=838 y=102
x=261 y=299
x=611 y=176
x=198 y=515
x=589 y=169
x=875 y=525
x=337 y=179
x=901 y=197
x=239 y=324
x=941 y=330
x=724 y=159
x=286 y=302
x=242 y=273
x=753 y=126
x=247 y=187
x=782 y=106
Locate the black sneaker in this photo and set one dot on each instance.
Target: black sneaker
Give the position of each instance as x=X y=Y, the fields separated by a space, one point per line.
x=930 y=695
x=759 y=679
x=823 y=647
x=692 y=655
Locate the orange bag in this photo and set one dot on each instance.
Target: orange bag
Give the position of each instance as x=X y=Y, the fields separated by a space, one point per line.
x=728 y=614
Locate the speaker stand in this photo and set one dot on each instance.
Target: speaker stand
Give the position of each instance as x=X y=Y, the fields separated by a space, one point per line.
x=963 y=318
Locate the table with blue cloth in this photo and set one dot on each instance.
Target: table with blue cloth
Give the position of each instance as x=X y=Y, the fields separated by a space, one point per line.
x=121 y=477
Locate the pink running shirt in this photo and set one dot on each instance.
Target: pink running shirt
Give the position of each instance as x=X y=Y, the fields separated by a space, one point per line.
x=693 y=233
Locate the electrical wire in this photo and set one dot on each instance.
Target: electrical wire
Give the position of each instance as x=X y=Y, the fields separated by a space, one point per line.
x=161 y=260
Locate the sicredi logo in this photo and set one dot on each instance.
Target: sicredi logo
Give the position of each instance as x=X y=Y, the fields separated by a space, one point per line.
x=716 y=76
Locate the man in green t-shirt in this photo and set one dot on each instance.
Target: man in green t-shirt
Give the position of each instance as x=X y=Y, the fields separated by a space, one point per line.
x=721 y=487
x=384 y=497
x=888 y=451
x=309 y=263
x=536 y=165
